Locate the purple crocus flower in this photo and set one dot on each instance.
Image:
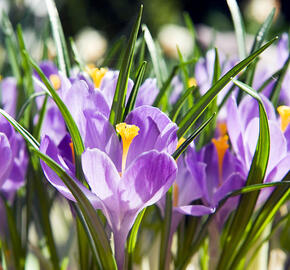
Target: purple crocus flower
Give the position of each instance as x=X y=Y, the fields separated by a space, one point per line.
x=243 y=129
x=208 y=175
x=123 y=178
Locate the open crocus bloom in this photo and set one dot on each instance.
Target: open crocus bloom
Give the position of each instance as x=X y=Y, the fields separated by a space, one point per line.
x=122 y=181
x=243 y=128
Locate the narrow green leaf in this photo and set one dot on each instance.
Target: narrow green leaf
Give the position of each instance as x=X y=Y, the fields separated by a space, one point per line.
x=178 y=105
x=58 y=36
x=187 y=142
x=11 y=46
x=27 y=103
x=155 y=57
x=278 y=197
x=239 y=27
x=78 y=59
x=37 y=130
x=133 y=238
x=273 y=77
x=118 y=106
x=71 y=125
x=165 y=232
x=255 y=176
x=275 y=94
x=133 y=95
x=194 y=113
x=258 y=41
x=17 y=249
x=165 y=86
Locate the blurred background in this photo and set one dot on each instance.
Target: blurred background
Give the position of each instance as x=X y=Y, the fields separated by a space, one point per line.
x=95 y=24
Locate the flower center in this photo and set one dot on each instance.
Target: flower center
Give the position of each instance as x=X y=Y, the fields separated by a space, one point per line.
x=284 y=112
x=191 y=82
x=127 y=133
x=55 y=81
x=221 y=145
x=96 y=74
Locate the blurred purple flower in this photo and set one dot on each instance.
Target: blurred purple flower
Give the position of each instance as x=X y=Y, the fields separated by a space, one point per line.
x=8 y=87
x=122 y=182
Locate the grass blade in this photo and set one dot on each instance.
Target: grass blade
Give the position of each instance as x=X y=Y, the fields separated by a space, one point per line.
x=194 y=113
x=132 y=98
x=118 y=106
x=186 y=143
x=58 y=36
x=239 y=27
x=159 y=71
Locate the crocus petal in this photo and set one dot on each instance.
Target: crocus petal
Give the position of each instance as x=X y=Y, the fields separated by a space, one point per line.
x=102 y=176
x=195 y=210
x=235 y=129
x=234 y=182
x=147 y=93
x=48 y=147
x=101 y=134
x=5 y=158
x=146 y=180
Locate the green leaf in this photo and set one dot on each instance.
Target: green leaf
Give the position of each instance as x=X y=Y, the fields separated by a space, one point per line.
x=165 y=87
x=158 y=68
x=275 y=94
x=194 y=113
x=178 y=105
x=278 y=197
x=71 y=125
x=133 y=95
x=133 y=238
x=258 y=41
x=58 y=36
x=256 y=175
x=239 y=27
x=187 y=142
x=118 y=106
x=165 y=232
x=17 y=249
x=78 y=59
x=11 y=46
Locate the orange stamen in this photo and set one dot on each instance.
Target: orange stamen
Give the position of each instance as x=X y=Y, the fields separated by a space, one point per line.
x=284 y=112
x=221 y=145
x=72 y=152
x=175 y=194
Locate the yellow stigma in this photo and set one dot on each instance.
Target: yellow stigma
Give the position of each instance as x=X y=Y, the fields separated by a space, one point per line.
x=284 y=112
x=222 y=128
x=127 y=133
x=180 y=142
x=96 y=74
x=221 y=145
x=1 y=78
x=55 y=81
x=191 y=82
x=175 y=194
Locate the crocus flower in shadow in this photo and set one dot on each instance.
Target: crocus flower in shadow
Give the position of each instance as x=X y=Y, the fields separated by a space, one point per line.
x=124 y=177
